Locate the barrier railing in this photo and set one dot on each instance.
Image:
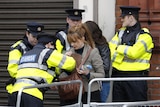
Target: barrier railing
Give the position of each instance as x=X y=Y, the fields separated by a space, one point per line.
x=154 y=103
x=50 y=85
x=95 y=104
x=125 y=104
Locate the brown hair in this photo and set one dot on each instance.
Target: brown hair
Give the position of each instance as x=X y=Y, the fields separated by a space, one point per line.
x=78 y=32
x=96 y=33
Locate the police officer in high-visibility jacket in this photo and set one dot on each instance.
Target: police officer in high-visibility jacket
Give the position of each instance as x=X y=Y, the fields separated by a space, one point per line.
x=37 y=66
x=19 y=48
x=74 y=18
x=131 y=50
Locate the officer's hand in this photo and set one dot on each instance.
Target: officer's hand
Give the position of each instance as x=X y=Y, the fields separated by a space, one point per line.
x=69 y=53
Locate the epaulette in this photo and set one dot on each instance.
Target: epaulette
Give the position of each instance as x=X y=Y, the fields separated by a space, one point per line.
x=59 y=31
x=144 y=30
x=16 y=44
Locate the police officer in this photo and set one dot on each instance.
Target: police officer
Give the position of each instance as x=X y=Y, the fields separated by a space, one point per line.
x=19 y=48
x=37 y=66
x=131 y=50
x=74 y=17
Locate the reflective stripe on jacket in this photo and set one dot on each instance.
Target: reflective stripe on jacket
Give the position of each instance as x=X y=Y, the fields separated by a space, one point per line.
x=15 y=53
x=38 y=64
x=17 y=50
x=131 y=58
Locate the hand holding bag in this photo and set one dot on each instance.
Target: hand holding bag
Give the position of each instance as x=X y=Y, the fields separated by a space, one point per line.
x=71 y=91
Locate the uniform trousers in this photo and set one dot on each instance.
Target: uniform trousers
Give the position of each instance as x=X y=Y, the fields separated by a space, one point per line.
x=129 y=91
x=26 y=100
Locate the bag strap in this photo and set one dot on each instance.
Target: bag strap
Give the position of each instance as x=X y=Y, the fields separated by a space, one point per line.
x=85 y=58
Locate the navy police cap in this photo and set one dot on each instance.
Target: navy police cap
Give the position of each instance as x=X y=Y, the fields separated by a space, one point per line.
x=75 y=14
x=35 y=28
x=46 y=38
x=129 y=10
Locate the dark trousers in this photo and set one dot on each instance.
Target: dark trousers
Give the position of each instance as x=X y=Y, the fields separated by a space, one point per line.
x=126 y=91
x=129 y=91
x=95 y=97
x=26 y=100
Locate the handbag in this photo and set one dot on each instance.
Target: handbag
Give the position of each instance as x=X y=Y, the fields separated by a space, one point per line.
x=71 y=91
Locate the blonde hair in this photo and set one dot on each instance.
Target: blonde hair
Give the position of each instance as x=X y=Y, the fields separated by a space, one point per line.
x=78 y=32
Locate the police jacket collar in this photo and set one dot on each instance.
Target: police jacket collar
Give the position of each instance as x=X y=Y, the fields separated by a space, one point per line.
x=136 y=27
x=39 y=45
x=28 y=45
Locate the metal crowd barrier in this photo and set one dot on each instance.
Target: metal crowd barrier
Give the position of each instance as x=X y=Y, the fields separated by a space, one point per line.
x=79 y=104
x=121 y=104
x=6 y=106
x=154 y=103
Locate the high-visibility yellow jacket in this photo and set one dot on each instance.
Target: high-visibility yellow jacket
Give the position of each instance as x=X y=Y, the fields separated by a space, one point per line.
x=15 y=53
x=131 y=58
x=59 y=46
x=62 y=36
x=17 y=50
x=38 y=65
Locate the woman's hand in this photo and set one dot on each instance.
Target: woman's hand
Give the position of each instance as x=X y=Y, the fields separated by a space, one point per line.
x=83 y=71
